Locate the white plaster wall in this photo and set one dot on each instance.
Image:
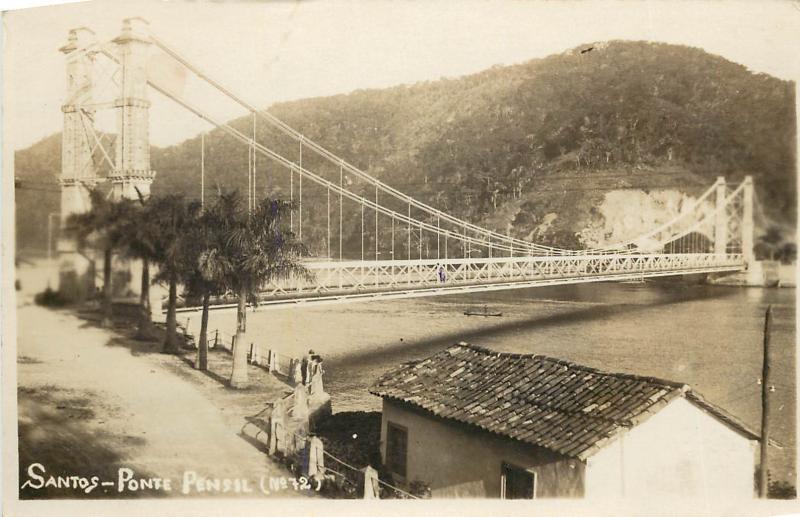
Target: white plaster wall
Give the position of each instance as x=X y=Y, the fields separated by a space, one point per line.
x=458 y=461
x=681 y=451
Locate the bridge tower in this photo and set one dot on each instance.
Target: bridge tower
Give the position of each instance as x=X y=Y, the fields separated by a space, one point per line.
x=132 y=153
x=748 y=226
x=78 y=174
x=132 y=176
x=721 y=218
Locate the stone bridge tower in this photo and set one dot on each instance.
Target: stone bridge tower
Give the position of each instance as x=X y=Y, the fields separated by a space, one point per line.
x=78 y=173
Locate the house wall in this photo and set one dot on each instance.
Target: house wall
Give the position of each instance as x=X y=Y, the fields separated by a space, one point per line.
x=680 y=451
x=457 y=460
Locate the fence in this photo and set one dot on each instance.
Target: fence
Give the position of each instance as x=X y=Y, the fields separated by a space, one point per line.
x=267 y=358
x=364 y=482
x=293 y=413
x=215 y=337
x=373 y=486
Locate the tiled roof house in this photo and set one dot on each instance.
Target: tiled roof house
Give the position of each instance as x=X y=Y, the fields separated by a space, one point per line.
x=472 y=422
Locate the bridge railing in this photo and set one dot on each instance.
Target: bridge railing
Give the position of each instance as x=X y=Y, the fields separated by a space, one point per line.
x=351 y=276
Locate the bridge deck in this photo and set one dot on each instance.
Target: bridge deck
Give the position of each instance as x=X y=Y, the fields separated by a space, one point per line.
x=353 y=281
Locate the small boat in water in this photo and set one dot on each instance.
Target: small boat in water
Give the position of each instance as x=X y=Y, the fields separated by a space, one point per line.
x=484 y=312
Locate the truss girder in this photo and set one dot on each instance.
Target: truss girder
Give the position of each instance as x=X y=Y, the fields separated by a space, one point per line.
x=370 y=275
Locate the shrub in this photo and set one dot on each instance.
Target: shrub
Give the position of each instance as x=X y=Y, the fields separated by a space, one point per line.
x=781 y=490
x=50 y=298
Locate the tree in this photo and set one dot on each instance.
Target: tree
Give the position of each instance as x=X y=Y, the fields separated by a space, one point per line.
x=102 y=227
x=204 y=271
x=174 y=217
x=258 y=248
x=769 y=244
x=143 y=231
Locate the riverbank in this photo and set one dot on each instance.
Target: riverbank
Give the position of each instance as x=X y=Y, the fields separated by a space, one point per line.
x=761 y=273
x=93 y=401
x=709 y=337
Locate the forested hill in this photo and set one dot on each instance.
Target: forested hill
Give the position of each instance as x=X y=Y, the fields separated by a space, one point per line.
x=533 y=148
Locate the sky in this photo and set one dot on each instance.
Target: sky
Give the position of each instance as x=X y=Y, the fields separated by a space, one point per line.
x=276 y=51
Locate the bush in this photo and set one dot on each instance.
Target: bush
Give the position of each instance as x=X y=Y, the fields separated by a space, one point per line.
x=781 y=490
x=50 y=298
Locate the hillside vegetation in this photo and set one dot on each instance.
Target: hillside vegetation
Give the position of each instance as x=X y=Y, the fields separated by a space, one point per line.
x=531 y=149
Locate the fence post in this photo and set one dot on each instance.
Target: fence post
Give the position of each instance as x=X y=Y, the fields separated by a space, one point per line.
x=316 y=458
x=370 y=483
x=300 y=403
x=277 y=422
x=295 y=371
x=250 y=354
x=317 y=389
x=233 y=341
x=216 y=337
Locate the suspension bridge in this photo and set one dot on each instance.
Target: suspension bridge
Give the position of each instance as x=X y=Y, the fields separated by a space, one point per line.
x=368 y=240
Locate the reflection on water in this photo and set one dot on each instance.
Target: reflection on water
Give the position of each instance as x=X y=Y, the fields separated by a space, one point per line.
x=707 y=336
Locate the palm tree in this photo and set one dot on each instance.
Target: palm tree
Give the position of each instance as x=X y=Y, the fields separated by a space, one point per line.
x=258 y=248
x=143 y=231
x=204 y=272
x=174 y=218
x=103 y=227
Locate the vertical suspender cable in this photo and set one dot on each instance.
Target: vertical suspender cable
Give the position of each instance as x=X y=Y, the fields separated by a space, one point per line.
x=291 y=198
x=420 y=242
x=249 y=179
x=393 y=237
x=202 y=169
x=300 y=207
x=438 y=235
x=376 y=223
x=329 y=222
x=340 y=210
x=362 y=231
x=255 y=195
x=409 y=231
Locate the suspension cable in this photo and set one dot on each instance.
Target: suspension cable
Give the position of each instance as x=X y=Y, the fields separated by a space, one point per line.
x=324 y=152
x=611 y=248
x=342 y=191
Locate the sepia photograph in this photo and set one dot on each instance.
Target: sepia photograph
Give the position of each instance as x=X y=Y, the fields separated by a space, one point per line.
x=259 y=255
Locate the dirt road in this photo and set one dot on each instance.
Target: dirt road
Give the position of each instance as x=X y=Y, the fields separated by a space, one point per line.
x=91 y=402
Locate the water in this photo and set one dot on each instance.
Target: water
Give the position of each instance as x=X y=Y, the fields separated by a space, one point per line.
x=707 y=336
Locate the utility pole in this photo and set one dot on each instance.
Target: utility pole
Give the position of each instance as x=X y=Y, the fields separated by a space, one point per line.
x=763 y=485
